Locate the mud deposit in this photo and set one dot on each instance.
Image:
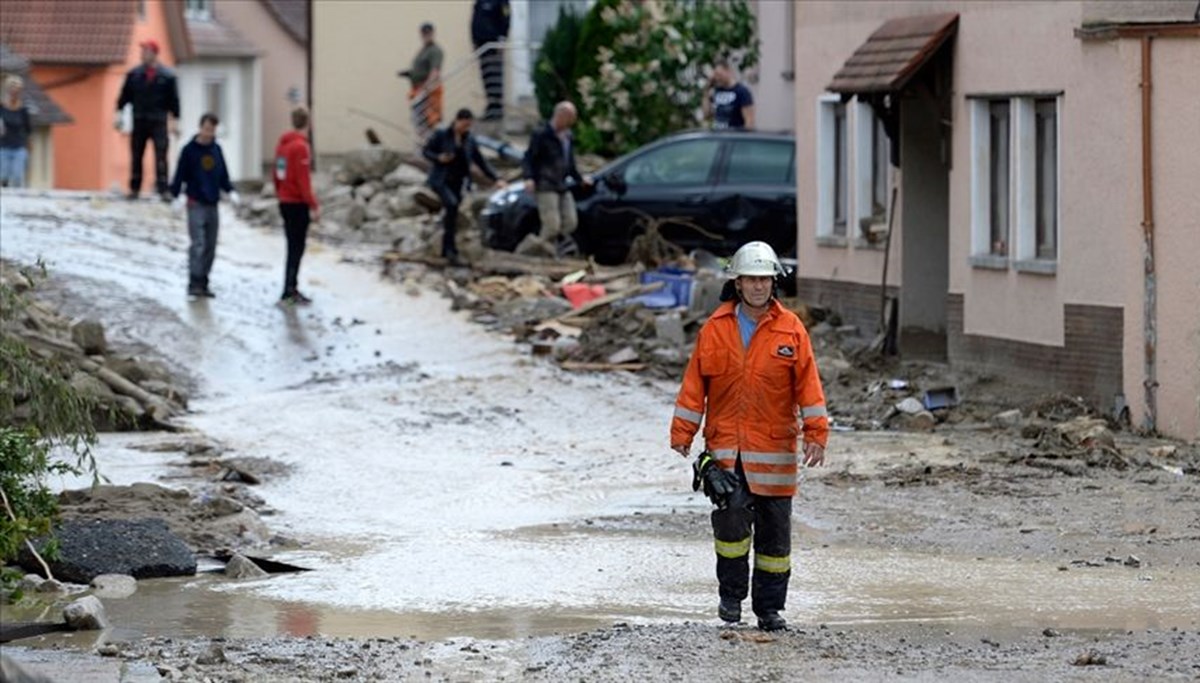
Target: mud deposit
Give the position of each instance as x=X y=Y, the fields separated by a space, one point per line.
x=473 y=513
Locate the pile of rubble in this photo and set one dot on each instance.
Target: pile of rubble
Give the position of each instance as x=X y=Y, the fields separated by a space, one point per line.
x=124 y=391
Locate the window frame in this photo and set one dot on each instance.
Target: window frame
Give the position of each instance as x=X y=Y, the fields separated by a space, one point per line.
x=866 y=128
x=826 y=159
x=199 y=10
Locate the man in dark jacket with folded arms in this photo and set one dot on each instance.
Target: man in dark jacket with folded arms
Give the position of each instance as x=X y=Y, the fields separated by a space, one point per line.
x=451 y=151
x=202 y=170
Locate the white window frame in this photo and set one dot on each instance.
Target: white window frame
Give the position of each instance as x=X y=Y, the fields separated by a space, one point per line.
x=200 y=10
x=864 y=169
x=1022 y=252
x=827 y=104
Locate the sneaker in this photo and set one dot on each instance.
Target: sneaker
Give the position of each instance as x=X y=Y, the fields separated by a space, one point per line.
x=196 y=293
x=207 y=293
x=294 y=299
x=132 y=197
x=730 y=610
x=455 y=261
x=771 y=621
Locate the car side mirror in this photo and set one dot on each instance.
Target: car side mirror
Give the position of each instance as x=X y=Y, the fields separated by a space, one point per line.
x=616 y=183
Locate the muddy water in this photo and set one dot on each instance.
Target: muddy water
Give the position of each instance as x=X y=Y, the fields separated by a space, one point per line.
x=445 y=481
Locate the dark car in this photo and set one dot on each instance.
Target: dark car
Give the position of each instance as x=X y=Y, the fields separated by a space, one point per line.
x=729 y=187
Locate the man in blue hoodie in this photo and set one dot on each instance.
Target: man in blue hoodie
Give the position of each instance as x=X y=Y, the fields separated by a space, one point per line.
x=202 y=170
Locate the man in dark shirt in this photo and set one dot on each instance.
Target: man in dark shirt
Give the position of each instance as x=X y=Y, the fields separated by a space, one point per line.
x=548 y=164
x=728 y=103
x=451 y=151
x=202 y=175
x=489 y=24
x=152 y=90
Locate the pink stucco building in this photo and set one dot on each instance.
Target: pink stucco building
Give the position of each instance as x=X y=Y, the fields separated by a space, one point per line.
x=1045 y=158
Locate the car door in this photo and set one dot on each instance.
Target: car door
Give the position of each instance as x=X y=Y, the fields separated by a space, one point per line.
x=755 y=194
x=672 y=180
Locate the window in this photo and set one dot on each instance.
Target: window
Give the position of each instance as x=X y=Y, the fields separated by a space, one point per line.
x=833 y=169
x=1046 y=209
x=214 y=97
x=872 y=159
x=879 y=170
x=1014 y=182
x=141 y=10
x=197 y=9
x=998 y=172
x=841 y=172
x=761 y=162
x=681 y=163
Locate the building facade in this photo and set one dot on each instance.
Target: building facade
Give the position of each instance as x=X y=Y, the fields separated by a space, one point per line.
x=1045 y=214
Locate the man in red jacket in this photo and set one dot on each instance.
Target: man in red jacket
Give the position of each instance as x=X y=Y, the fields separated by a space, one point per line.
x=752 y=381
x=297 y=203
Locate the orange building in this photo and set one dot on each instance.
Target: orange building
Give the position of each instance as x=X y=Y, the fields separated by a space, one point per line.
x=79 y=52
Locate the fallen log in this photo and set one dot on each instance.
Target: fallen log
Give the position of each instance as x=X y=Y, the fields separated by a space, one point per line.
x=503 y=263
x=156 y=407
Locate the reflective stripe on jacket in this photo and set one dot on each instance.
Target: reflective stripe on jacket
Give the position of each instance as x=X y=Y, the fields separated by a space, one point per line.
x=754 y=401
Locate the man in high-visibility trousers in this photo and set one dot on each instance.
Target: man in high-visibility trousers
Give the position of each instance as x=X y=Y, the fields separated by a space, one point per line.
x=752 y=380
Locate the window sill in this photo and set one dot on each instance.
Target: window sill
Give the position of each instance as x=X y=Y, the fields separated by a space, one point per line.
x=832 y=241
x=868 y=245
x=1036 y=266
x=989 y=262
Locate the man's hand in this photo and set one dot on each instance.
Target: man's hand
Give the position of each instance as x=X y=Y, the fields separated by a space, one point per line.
x=445 y=158
x=178 y=203
x=499 y=184
x=682 y=450
x=530 y=186
x=315 y=215
x=814 y=454
x=173 y=127
x=588 y=181
x=117 y=123
x=235 y=198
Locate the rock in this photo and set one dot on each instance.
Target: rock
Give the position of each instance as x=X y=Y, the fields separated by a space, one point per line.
x=91 y=387
x=1090 y=658
x=922 y=421
x=262 y=207
x=910 y=406
x=1132 y=561
x=668 y=328
x=821 y=329
x=51 y=586
x=372 y=163
x=142 y=548
x=29 y=583
x=533 y=245
x=405 y=174
x=403 y=204
x=626 y=355
x=349 y=216
x=109 y=650
x=1050 y=633
x=366 y=191
x=219 y=506
x=114 y=585
x=1163 y=451
x=85 y=614
x=268 y=191
x=215 y=654
x=378 y=208
x=428 y=199
x=1007 y=419
x=241 y=567
x=88 y=334
x=138 y=370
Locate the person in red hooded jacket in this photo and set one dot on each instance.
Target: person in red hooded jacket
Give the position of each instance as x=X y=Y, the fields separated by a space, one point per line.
x=297 y=203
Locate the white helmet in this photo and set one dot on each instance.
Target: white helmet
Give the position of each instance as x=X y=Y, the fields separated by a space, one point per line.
x=755 y=258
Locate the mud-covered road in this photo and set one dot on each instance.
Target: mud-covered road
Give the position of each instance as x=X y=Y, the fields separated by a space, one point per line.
x=472 y=513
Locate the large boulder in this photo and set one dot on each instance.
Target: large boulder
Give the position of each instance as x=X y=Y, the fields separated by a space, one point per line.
x=85 y=614
x=88 y=334
x=405 y=174
x=372 y=163
x=141 y=548
x=350 y=216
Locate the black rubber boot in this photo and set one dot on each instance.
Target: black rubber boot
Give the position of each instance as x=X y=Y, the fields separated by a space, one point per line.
x=771 y=621
x=730 y=610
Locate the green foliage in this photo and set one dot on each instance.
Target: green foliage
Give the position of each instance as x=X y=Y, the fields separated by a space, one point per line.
x=644 y=66
x=45 y=428
x=553 y=74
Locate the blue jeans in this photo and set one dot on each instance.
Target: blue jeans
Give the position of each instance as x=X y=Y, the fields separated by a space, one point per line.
x=202 y=228
x=13 y=161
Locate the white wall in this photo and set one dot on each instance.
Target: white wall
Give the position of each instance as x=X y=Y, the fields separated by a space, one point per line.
x=240 y=132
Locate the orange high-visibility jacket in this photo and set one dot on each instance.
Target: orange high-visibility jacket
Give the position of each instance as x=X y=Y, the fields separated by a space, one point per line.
x=753 y=401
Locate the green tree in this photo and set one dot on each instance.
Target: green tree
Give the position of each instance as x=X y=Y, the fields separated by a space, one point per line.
x=45 y=428
x=553 y=73
x=644 y=66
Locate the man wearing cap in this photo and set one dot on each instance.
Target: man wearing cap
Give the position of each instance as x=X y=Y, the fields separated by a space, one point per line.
x=426 y=92
x=752 y=382
x=152 y=90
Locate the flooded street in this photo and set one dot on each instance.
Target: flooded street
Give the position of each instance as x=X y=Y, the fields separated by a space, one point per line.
x=446 y=484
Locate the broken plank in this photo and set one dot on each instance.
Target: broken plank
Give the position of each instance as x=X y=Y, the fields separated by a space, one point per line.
x=604 y=367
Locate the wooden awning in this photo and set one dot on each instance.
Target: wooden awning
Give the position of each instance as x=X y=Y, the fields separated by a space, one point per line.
x=894 y=54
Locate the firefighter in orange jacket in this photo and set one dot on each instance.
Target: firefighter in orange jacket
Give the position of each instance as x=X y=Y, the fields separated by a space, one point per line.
x=753 y=381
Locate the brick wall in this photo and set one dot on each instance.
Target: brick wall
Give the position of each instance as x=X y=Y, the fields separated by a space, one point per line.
x=1089 y=363
x=856 y=303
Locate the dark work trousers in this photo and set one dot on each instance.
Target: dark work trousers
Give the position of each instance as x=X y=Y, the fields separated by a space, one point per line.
x=143 y=130
x=450 y=192
x=770 y=520
x=202 y=229
x=491 y=69
x=295 y=228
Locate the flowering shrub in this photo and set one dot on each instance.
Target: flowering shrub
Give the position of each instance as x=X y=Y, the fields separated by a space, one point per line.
x=645 y=66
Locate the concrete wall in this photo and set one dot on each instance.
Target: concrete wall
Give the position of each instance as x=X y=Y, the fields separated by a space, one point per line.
x=772 y=81
x=284 y=71
x=1004 y=48
x=359 y=45
x=241 y=122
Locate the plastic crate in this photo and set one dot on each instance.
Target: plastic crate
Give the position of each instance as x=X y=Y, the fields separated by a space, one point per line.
x=678 y=285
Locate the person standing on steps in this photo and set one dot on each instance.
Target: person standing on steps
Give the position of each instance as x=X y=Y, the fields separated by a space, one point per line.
x=202 y=174
x=451 y=151
x=426 y=94
x=297 y=203
x=16 y=131
x=152 y=90
x=752 y=380
x=489 y=24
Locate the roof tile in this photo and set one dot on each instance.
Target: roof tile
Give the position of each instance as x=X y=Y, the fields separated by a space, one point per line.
x=894 y=53
x=69 y=31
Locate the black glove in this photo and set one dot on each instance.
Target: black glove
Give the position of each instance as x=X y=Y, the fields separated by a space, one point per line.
x=718 y=484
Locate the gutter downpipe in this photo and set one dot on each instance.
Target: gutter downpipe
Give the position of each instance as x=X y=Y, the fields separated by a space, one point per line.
x=1150 y=293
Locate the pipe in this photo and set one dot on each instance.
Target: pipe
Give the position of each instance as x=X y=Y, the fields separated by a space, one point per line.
x=1150 y=302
